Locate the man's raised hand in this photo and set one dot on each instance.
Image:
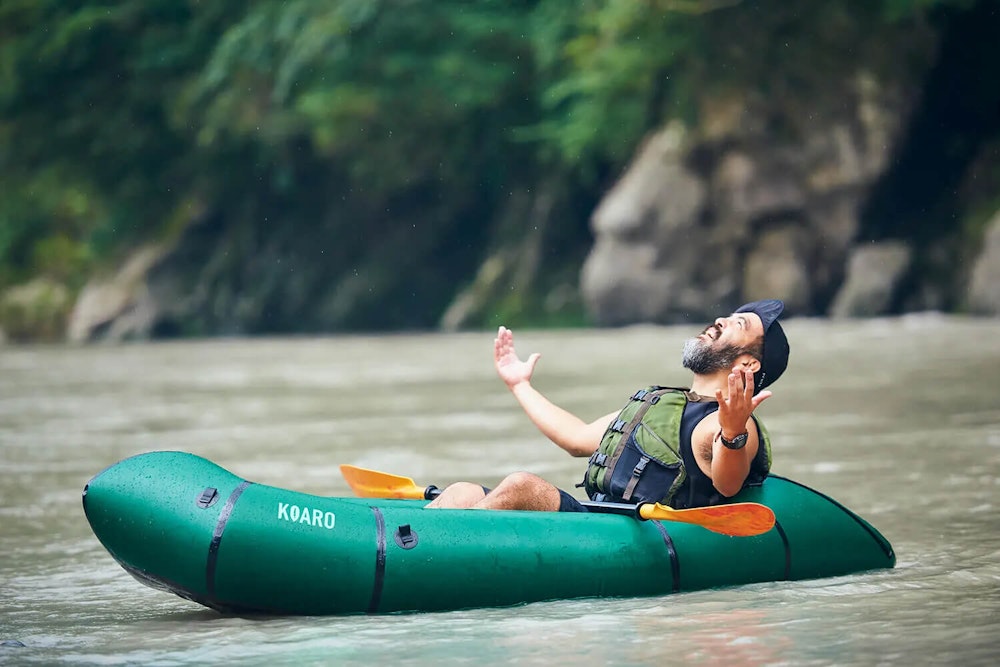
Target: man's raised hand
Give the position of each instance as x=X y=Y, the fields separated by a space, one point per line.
x=736 y=407
x=509 y=366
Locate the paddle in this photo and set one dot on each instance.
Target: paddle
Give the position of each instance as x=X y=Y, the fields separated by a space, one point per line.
x=739 y=519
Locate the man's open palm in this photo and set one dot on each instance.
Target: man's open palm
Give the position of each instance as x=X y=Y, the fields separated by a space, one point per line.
x=510 y=368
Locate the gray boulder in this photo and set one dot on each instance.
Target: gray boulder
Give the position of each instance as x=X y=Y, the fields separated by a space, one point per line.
x=119 y=307
x=874 y=272
x=984 y=287
x=643 y=256
x=713 y=215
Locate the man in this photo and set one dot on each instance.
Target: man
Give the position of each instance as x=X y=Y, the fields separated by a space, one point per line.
x=682 y=447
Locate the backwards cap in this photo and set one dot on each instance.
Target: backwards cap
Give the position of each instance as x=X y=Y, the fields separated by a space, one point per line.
x=775 y=353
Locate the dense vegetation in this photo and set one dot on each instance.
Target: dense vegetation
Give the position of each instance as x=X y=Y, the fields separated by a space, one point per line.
x=374 y=138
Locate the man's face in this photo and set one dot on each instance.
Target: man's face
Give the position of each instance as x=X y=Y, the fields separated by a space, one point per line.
x=722 y=343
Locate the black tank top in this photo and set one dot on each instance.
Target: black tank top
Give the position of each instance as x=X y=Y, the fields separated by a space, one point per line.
x=698 y=490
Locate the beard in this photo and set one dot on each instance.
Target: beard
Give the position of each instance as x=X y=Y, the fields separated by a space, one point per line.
x=702 y=357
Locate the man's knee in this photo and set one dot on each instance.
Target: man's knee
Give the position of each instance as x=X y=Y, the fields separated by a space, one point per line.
x=522 y=482
x=522 y=491
x=459 y=495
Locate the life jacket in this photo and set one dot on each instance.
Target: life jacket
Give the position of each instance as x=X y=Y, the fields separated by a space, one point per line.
x=646 y=455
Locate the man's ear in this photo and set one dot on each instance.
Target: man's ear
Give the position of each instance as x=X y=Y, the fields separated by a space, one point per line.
x=746 y=362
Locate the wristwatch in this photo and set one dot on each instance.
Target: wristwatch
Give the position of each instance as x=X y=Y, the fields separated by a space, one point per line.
x=739 y=442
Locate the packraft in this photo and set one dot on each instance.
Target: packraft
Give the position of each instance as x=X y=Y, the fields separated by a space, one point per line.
x=182 y=524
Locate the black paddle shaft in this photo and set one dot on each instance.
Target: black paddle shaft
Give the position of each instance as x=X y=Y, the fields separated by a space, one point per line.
x=432 y=492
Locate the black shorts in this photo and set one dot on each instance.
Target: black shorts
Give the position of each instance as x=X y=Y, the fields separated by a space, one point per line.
x=567 y=503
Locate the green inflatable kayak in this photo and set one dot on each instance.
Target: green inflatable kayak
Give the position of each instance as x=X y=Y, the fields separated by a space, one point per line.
x=183 y=524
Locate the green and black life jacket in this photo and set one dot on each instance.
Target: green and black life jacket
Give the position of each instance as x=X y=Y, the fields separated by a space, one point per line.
x=646 y=454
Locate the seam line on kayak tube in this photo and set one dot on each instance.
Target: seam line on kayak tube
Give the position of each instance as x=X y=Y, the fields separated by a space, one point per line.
x=788 y=550
x=379 y=561
x=875 y=535
x=220 y=527
x=675 y=564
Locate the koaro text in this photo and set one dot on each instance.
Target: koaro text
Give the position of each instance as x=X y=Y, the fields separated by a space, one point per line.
x=310 y=517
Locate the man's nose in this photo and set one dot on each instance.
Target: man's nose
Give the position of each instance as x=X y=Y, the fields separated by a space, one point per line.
x=721 y=322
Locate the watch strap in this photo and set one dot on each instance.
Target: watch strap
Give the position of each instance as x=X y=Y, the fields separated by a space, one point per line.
x=739 y=442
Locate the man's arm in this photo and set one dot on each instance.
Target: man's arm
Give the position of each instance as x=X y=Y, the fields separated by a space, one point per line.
x=730 y=467
x=560 y=426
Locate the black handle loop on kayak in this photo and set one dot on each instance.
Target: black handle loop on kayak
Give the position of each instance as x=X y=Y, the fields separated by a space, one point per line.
x=406 y=537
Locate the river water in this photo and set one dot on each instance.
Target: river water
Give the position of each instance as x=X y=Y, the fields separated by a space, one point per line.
x=899 y=419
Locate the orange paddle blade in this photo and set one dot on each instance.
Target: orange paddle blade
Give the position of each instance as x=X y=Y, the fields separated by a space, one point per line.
x=738 y=519
x=374 y=484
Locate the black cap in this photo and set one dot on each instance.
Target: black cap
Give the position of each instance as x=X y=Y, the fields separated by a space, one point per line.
x=775 y=353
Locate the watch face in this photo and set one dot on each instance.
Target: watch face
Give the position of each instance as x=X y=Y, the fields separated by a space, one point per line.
x=737 y=442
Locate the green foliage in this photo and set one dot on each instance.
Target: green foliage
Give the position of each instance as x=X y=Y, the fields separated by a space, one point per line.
x=401 y=93
x=34 y=311
x=895 y=10
x=613 y=69
x=386 y=133
x=86 y=148
x=603 y=81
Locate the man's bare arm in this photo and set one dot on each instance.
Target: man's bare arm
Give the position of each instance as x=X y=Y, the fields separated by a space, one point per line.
x=730 y=467
x=560 y=426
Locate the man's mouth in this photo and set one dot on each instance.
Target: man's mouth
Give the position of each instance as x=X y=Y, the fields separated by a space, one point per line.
x=711 y=332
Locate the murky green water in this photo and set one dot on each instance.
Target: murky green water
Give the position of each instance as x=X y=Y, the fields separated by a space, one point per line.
x=898 y=419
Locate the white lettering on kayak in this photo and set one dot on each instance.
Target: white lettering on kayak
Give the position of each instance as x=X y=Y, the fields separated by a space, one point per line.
x=306 y=515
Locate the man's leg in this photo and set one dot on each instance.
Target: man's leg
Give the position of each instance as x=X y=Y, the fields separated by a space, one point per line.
x=460 y=495
x=522 y=491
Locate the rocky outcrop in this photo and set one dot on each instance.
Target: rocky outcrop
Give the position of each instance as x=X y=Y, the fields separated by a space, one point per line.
x=874 y=273
x=34 y=311
x=708 y=217
x=119 y=307
x=642 y=258
x=984 y=287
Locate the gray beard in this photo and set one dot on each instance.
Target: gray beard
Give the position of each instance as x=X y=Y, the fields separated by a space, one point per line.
x=701 y=358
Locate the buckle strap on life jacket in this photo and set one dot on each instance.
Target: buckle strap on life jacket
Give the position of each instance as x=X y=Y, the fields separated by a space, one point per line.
x=636 y=474
x=608 y=459
x=649 y=399
x=643 y=393
x=598 y=459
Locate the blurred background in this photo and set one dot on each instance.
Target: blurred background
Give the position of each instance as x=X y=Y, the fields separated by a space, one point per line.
x=174 y=168
x=279 y=184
